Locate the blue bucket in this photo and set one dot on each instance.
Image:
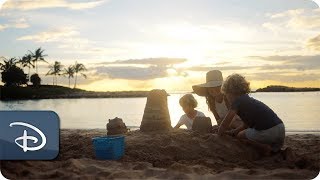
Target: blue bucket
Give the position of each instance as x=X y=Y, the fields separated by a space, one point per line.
x=109 y=147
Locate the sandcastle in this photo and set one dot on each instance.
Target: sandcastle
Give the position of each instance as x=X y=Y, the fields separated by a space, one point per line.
x=116 y=126
x=156 y=114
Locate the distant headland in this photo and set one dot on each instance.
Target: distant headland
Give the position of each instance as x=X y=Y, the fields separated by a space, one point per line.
x=60 y=92
x=275 y=88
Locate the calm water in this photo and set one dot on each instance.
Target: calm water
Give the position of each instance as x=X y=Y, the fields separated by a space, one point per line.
x=299 y=111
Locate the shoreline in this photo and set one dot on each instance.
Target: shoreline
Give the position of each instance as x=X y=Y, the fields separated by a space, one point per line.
x=136 y=128
x=61 y=92
x=173 y=154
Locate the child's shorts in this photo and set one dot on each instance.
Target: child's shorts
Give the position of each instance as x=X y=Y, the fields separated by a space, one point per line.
x=273 y=136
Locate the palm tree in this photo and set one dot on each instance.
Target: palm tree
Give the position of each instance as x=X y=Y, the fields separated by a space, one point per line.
x=55 y=70
x=78 y=68
x=8 y=63
x=37 y=57
x=26 y=61
x=69 y=72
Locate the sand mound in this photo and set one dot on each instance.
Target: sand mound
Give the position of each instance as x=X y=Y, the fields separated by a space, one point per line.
x=176 y=154
x=163 y=150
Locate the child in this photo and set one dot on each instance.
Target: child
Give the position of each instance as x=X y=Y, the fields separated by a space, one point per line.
x=262 y=127
x=217 y=102
x=188 y=103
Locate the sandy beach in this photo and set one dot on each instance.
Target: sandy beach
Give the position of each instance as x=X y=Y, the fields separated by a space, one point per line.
x=178 y=154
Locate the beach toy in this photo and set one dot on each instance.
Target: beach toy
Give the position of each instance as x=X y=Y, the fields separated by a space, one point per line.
x=109 y=147
x=116 y=126
x=156 y=114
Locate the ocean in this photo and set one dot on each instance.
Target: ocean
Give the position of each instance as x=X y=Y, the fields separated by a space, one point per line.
x=300 y=111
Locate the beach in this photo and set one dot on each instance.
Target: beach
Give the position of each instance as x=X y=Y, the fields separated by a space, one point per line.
x=177 y=154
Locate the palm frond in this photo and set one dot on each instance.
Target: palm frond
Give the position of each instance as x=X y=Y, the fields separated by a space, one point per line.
x=84 y=75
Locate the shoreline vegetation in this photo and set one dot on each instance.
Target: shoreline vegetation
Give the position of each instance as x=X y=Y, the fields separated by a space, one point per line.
x=61 y=92
x=275 y=88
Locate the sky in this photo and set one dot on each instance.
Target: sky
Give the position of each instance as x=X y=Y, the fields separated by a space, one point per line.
x=168 y=44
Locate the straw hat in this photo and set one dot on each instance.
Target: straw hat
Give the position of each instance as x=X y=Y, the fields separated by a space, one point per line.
x=213 y=79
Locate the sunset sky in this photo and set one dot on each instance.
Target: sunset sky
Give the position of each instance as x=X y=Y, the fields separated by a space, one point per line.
x=168 y=44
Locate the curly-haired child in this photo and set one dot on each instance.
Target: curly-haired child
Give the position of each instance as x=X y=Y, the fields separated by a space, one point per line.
x=262 y=127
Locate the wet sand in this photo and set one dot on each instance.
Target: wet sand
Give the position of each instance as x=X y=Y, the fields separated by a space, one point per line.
x=177 y=154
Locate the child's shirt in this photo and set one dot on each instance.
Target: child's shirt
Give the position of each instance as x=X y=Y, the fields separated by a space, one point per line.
x=255 y=113
x=188 y=121
x=221 y=109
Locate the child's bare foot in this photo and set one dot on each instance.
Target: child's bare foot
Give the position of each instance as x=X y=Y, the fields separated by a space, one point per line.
x=266 y=151
x=289 y=155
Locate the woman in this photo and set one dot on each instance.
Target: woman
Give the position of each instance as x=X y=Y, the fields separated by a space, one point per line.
x=217 y=102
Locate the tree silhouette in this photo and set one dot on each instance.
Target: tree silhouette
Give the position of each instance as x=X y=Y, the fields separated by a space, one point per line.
x=36 y=80
x=8 y=63
x=26 y=61
x=69 y=72
x=37 y=57
x=55 y=70
x=11 y=74
x=78 y=68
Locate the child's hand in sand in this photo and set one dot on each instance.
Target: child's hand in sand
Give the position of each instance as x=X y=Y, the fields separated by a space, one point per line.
x=215 y=129
x=226 y=122
x=232 y=132
x=221 y=131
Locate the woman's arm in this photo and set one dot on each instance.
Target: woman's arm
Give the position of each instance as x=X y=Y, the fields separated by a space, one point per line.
x=240 y=128
x=215 y=114
x=226 y=122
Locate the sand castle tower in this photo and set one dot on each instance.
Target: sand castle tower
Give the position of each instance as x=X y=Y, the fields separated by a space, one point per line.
x=156 y=114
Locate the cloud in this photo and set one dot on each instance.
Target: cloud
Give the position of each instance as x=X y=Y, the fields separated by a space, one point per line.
x=70 y=41
x=221 y=68
x=276 y=58
x=314 y=43
x=297 y=19
x=26 y=5
x=3 y=26
x=288 y=13
x=18 y=24
x=284 y=73
x=54 y=35
x=132 y=73
x=162 y=61
x=21 y=23
x=271 y=26
x=131 y=69
x=285 y=77
x=297 y=62
x=270 y=64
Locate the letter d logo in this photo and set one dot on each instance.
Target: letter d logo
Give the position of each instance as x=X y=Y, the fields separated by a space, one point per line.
x=29 y=135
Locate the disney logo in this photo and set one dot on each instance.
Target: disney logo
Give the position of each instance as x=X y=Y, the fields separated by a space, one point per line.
x=24 y=138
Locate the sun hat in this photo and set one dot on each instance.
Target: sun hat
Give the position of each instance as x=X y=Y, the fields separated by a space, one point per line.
x=213 y=79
